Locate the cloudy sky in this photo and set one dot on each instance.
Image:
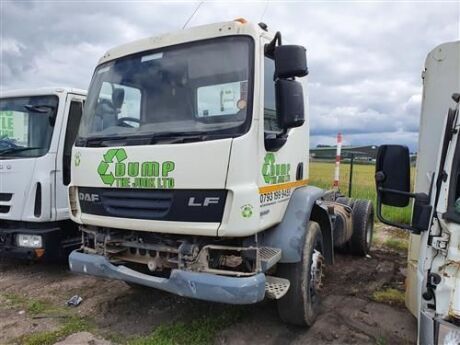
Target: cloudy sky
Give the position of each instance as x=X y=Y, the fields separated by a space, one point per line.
x=365 y=58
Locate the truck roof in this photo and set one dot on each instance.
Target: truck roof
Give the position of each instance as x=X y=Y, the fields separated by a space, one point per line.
x=234 y=27
x=41 y=91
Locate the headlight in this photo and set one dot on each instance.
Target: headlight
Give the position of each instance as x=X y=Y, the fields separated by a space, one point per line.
x=29 y=241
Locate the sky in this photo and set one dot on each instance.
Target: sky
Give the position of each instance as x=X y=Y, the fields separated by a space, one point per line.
x=365 y=57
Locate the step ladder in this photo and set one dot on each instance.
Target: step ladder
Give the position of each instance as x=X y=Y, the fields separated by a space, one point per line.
x=269 y=257
x=275 y=287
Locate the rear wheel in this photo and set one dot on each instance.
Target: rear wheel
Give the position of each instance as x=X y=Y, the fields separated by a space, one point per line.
x=300 y=305
x=363 y=227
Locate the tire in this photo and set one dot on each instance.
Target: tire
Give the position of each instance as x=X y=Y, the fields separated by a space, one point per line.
x=300 y=305
x=363 y=228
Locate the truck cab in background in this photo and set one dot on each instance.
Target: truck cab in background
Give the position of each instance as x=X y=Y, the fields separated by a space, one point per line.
x=37 y=131
x=433 y=275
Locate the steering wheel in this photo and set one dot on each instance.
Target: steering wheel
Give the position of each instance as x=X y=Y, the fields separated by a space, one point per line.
x=122 y=121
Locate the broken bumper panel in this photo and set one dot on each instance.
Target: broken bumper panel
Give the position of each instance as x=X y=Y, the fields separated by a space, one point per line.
x=436 y=331
x=204 y=286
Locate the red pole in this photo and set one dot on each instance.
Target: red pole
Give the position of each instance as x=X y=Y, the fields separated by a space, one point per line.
x=337 y=161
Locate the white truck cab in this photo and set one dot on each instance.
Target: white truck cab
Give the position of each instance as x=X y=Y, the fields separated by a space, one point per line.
x=433 y=279
x=193 y=174
x=37 y=131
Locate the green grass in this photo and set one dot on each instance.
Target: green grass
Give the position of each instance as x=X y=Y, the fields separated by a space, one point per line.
x=199 y=331
x=33 y=306
x=389 y=296
x=37 y=307
x=322 y=175
x=381 y=341
x=399 y=245
x=70 y=326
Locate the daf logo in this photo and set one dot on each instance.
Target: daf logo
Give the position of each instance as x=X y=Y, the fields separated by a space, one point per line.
x=88 y=197
x=206 y=201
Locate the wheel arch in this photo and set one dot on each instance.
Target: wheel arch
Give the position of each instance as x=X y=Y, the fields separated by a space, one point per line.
x=321 y=216
x=289 y=235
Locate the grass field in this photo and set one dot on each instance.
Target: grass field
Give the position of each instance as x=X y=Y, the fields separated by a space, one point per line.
x=322 y=175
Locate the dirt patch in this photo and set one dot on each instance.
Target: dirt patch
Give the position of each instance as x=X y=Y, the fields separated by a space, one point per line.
x=83 y=338
x=118 y=313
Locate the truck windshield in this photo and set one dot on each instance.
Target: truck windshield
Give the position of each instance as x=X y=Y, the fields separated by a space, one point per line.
x=193 y=91
x=26 y=125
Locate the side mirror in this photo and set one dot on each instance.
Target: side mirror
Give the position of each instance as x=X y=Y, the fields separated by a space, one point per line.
x=289 y=103
x=393 y=174
x=392 y=178
x=290 y=61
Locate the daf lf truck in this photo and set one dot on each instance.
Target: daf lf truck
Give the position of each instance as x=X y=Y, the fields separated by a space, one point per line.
x=433 y=275
x=37 y=131
x=193 y=172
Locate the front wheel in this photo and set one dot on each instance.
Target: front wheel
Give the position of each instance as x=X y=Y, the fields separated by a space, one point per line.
x=300 y=305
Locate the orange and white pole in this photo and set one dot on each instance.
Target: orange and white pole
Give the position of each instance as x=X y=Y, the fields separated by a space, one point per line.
x=337 y=161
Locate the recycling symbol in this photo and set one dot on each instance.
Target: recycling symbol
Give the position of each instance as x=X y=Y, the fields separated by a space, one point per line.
x=119 y=154
x=268 y=167
x=246 y=211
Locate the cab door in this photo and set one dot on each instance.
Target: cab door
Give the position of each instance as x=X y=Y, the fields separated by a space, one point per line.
x=70 y=124
x=283 y=157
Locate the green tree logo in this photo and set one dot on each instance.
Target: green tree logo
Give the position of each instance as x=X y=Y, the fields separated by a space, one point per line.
x=108 y=157
x=77 y=159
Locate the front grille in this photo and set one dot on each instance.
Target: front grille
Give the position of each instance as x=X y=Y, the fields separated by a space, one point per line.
x=154 y=204
x=4 y=209
x=6 y=196
x=139 y=204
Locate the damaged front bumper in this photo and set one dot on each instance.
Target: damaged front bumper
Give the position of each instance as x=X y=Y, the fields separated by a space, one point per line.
x=203 y=286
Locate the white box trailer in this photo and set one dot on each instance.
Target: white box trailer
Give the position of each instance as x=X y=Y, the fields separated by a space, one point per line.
x=37 y=131
x=433 y=281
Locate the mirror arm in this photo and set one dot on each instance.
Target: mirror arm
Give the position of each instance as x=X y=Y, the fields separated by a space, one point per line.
x=387 y=222
x=416 y=196
x=270 y=47
x=395 y=191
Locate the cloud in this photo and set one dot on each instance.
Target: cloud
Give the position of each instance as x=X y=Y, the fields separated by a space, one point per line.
x=365 y=59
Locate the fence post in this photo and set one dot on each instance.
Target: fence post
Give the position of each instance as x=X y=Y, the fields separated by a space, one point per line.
x=350 y=180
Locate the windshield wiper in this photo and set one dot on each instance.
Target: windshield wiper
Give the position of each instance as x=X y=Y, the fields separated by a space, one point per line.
x=40 y=108
x=171 y=137
x=178 y=136
x=97 y=141
x=17 y=149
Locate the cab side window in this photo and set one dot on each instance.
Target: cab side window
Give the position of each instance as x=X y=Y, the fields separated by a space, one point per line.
x=271 y=121
x=71 y=131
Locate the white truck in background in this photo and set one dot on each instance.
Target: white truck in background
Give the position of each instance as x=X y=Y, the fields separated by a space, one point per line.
x=194 y=172
x=37 y=131
x=433 y=278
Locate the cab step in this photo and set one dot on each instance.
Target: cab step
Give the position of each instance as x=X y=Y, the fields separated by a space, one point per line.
x=269 y=257
x=275 y=287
